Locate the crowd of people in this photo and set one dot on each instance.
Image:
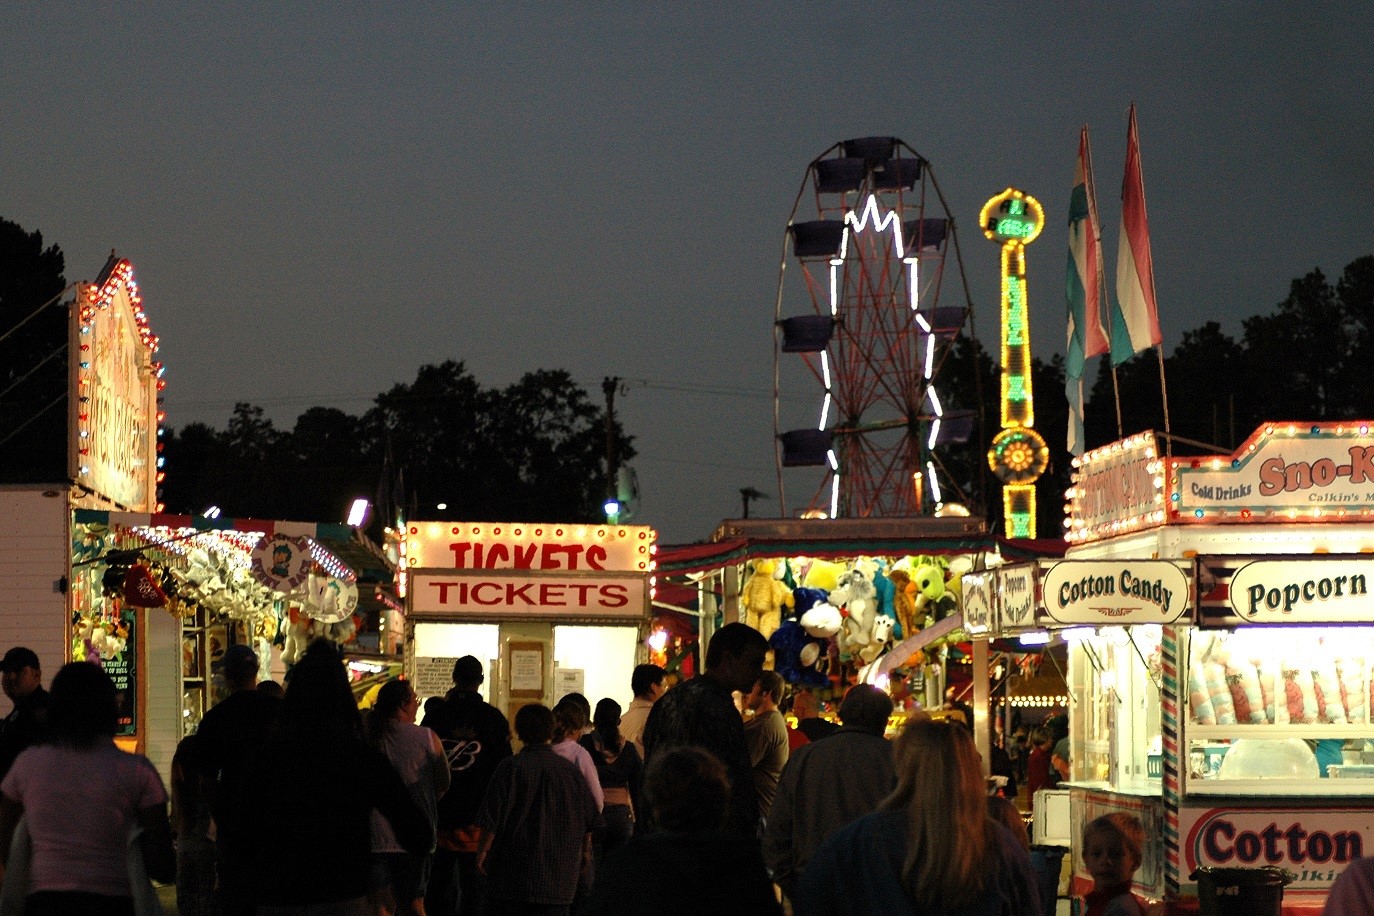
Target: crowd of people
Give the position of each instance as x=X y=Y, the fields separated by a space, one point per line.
x=696 y=799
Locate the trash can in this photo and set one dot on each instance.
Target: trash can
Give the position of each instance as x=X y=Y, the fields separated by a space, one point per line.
x=1047 y=861
x=1241 y=891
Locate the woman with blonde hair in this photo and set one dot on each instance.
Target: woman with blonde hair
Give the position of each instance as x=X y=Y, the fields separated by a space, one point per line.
x=931 y=849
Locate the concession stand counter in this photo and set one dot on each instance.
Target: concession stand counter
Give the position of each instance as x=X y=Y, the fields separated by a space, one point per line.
x=1221 y=635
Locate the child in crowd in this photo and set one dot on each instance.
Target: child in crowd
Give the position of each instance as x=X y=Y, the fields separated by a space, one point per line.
x=1112 y=847
x=1038 y=769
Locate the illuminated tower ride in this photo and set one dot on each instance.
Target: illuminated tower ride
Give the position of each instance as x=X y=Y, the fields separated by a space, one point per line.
x=869 y=232
x=1018 y=455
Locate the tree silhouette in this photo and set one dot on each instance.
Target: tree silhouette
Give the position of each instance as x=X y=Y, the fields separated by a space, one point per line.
x=33 y=359
x=531 y=451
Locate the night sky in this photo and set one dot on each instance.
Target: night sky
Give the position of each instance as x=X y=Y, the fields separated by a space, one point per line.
x=320 y=198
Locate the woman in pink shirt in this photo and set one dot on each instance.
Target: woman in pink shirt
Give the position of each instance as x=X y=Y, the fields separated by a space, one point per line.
x=81 y=797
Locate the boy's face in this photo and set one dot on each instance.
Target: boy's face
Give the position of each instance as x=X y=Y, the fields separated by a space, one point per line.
x=1107 y=860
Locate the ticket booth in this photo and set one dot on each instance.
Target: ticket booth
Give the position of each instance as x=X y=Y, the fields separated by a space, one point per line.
x=549 y=609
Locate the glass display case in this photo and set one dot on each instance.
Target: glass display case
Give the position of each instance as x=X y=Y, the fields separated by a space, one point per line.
x=1277 y=710
x=1114 y=683
x=194 y=651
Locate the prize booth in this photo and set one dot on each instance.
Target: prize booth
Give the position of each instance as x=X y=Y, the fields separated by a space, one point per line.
x=548 y=608
x=1221 y=661
x=846 y=600
x=156 y=600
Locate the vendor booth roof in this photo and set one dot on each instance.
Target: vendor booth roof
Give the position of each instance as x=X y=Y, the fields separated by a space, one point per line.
x=345 y=543
x=740 y=540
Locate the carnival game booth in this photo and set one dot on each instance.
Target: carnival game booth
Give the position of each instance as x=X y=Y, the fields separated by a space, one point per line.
x=844 y=600
x=157 y=599
x=548 y=608
x=1223 y=689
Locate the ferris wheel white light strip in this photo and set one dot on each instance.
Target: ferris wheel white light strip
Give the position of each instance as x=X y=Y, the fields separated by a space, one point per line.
x=880 y=222
x=835 y=265
x=935 y=402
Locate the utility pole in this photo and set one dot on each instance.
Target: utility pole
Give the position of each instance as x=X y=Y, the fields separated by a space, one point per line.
x=747 y=495
x=608 y=386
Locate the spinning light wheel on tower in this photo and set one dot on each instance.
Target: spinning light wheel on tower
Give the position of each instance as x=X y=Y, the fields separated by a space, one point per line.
x=858 y=410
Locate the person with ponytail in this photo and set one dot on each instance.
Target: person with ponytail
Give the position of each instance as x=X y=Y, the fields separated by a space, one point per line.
x=419 y=760
x=618 y=767
x=931 y=849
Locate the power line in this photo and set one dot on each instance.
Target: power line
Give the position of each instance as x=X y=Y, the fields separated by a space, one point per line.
x=360 y=397
x=644 y=458
x=20 y=428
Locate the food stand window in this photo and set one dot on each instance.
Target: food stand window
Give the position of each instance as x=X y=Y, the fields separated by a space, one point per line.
x=1114 y=681
x=1279 y=711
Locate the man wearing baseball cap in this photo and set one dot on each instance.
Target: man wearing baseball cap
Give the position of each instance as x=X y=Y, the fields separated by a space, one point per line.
x=22 y=680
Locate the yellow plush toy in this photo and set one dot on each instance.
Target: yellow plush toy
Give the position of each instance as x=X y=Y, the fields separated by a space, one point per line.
x=764 y=597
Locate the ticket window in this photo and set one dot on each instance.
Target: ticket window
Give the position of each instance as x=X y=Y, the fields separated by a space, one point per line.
x=605 y=656
x=454 y=640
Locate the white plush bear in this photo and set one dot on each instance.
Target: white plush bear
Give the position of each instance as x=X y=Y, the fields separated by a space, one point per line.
x=822 y=621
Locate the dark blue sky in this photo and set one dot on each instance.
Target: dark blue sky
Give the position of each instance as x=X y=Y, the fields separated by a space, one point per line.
x=320 y=198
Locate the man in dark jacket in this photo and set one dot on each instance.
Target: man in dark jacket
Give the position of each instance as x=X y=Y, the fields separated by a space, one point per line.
x=701 y=712
x=22 y=680
x=827 y=784
x=476 y=737
x=231 y=731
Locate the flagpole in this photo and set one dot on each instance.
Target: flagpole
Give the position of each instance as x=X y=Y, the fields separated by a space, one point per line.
x=1102 y=293
x=1159 y=350
x=1164 y=394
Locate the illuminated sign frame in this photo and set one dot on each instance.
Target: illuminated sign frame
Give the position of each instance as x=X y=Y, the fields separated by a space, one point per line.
x=1116 y=489
x=532 y=546
x=1285 y=472
x=113 y=411
x=1019 y=455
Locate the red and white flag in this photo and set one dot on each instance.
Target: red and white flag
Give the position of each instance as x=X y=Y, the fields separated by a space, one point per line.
x=1135 y=315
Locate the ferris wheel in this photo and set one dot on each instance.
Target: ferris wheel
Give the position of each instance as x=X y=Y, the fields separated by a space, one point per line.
x=858 y=415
